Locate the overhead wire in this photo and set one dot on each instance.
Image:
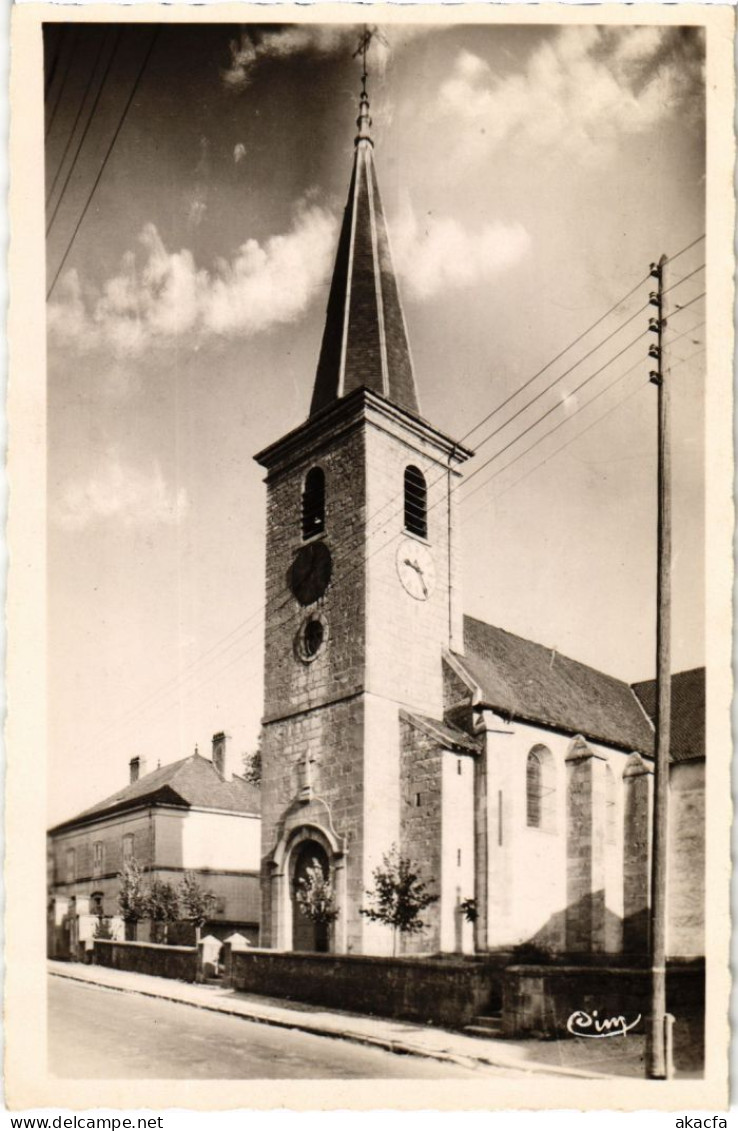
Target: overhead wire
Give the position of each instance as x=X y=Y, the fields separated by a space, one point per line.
x=567 y=419
x=63 y=81
x=109 y=150
x=85 y=131
x=77 y=118
x=541 y=463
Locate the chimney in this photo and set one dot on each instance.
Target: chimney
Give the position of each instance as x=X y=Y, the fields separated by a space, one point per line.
x=138 y=768
x=220 y=756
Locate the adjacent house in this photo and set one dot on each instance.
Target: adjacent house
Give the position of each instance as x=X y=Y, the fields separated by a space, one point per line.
x=191 y=815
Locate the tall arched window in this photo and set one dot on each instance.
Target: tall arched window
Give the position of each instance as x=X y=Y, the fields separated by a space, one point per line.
x=313 y=503
x=416 y=502
x=610 y=807
x=533 y=790
x=540 y=789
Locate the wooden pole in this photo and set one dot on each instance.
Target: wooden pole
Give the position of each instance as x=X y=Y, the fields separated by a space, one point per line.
x=656 y=1053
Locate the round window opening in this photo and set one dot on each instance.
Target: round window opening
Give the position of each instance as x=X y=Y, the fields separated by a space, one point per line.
x=312 y=638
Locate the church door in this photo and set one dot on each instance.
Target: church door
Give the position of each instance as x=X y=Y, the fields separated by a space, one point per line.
x=306 y=933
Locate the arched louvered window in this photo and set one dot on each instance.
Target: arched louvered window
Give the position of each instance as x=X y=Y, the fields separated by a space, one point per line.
x=610 y=807
x=533 y=790
x=313 y=503
x=416 y=502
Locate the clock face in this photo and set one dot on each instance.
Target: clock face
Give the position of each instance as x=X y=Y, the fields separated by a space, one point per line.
x=310 y=572
x=415 y=569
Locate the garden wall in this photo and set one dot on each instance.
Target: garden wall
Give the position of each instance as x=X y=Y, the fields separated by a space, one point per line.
x=426 y=990
x=538 y=1000
x=148 y=958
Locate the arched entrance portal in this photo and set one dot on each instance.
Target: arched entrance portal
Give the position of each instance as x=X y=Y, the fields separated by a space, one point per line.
x=306 y=933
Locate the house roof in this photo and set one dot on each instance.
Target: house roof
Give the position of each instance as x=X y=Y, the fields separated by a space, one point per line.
x=190 y=783
x=365 y=339
x=534 y=683
x=687 y=712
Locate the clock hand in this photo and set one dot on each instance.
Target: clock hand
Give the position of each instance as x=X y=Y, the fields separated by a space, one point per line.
x=413 y=565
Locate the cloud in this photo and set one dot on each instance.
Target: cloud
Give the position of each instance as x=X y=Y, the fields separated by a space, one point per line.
x=123 y=494
x=239 y=152
x=440 y=254
x=160 y=295
x=579 y=91
x=253 y=46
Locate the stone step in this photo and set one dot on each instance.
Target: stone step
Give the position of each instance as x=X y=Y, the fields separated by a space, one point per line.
x=484 y=1031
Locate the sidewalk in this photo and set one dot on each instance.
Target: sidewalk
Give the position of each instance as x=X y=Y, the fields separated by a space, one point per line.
x=570 y=1058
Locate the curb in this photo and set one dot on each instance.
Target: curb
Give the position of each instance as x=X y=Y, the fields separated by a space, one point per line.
x=398 y=1047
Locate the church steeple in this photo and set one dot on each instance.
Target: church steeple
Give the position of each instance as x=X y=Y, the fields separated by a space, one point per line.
x=365 y=338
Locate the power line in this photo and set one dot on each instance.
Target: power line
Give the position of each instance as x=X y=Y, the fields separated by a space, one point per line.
x=76 y=120
x=84 y=134
x=62 y=83
x=105 y=159
x=684 y=278
x=554 y=408
x=682 y=250
x=553 y=360
x=561 y=376
x=51 y=74
x=567 y=419
x=571 y=440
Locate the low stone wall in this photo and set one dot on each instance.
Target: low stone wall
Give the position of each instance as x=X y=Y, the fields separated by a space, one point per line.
x=148 y=958
x=539 y=1000
x=442 y=992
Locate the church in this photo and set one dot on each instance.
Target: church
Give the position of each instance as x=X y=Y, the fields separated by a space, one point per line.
x=517 y=780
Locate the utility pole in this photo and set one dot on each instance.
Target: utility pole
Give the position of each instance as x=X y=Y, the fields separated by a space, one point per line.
x=657 y=1058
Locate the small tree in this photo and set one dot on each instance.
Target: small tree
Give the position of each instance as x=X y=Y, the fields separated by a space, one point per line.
x=468 y=908
x=399 y=896
x=252 y=765
x=315 y=895
x=196 y=903
x=132 y=899
x=162 y=905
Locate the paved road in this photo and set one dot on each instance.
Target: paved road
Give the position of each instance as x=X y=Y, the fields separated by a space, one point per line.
x=99 y=1033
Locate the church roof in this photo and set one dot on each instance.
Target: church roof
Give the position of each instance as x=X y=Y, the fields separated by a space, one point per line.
x=192 y=782
x=365 y=339
x=687 y=712
x=444 y=732
x=531 y=682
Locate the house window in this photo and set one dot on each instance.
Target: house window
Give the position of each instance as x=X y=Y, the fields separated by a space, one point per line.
x=313 y=503
x=96 y=903
x=533 y=789
x=458 y=857
x=416 y=502
x=127 y=848
x=71 y=865
x=98 y=858
x=459 y=768
x=540 y=789
x=610 y=807
x=417 y=801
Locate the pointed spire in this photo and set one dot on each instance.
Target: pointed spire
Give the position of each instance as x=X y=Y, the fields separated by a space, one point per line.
x=365 y=337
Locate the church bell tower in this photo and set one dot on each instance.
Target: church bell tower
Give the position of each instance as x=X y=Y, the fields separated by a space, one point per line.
x=361 y=596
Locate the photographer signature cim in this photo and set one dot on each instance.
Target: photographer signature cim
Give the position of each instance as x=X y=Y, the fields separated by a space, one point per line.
x=583 y=1024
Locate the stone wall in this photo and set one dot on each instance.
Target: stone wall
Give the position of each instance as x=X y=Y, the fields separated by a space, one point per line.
x=421 y=813
x=539 y=1000
x=148 y=958
x=441 y=992
x=686 y=875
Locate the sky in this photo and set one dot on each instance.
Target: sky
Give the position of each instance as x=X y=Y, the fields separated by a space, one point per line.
x=529 y=176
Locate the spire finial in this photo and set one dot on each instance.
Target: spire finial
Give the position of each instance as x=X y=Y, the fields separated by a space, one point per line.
x=363 y=121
